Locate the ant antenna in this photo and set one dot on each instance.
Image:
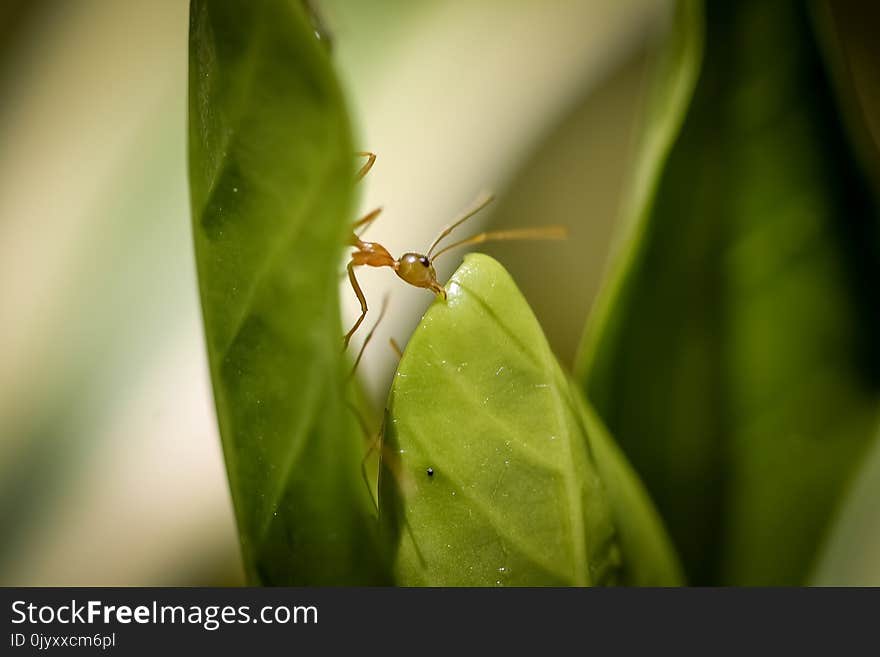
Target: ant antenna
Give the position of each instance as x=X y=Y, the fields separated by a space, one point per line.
x=481 y=202
x=542 y=233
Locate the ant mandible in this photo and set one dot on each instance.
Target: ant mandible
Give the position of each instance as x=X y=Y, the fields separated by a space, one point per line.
x=415 y=268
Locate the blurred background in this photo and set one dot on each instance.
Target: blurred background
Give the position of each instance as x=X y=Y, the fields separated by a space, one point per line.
x=110 y=464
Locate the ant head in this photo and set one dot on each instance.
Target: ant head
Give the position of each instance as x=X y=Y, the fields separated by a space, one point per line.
x=416 y=269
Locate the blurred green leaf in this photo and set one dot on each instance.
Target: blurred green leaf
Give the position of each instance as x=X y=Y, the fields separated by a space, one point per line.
x=271 y=163
x=733 y=353
x=649 y=558
x=848 y=30
x=494 y=473
x=851 y=555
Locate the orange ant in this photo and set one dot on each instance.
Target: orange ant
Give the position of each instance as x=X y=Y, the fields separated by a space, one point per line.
x=415 y=268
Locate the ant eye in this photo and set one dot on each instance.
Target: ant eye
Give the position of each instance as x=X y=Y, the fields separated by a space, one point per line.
x=424 y=261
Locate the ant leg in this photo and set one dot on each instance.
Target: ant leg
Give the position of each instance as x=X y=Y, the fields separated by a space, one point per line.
x=376 y=458
x=365 y=221
x=360 y=296
x=372 y=444
x=375 y=443
x=396 y=348
x=371 y=160
x=357 y=361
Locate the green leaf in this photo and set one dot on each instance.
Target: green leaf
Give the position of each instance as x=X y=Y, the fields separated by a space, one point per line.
x=733 y=353
x=847 y=31
x=851 y=554
x=525 y=487
x=271 y=164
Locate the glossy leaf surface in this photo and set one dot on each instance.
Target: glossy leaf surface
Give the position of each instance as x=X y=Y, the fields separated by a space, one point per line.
x=271 y=163
x=494 y=472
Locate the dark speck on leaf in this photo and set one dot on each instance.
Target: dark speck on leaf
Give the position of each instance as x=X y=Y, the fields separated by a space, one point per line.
x=430 y=472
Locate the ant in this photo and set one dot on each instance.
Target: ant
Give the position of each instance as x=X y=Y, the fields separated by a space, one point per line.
x=415 y=268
